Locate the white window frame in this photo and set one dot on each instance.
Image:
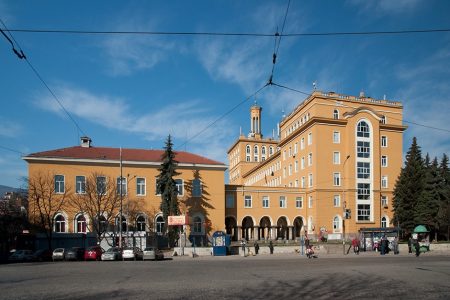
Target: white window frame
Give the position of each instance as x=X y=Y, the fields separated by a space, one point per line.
x=336 y=137
x=310 y=180
x=141 y=186
x=384 y=141
x=80 y=186
x=124 y=186
x=336 y=179
x=309 y=138
x=310 y=201
x=384 y=161
x=299 y=202
x=336 y=114
x=296 y=166
x=265 y=201
x=302 y=143
x=303 y=182
x=337 y=224
x=302 y=163
x=283 y=202
x=384 y=182
x=384 y=200
x=336 y=157
x=247 y=201
x=310 y=161
x=60 y=185
x=99 y=192
x=337 y=200
x=180 y=185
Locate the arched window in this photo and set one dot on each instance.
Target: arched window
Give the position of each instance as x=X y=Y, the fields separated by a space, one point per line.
x=140 y=223
x=102 y=225
x=197 y=225
x=383 y=222
x=124 y=222
x=60 y=223
x=270 y=150
x=159 y=225
x=336 y=114
x=256 y=153
x=363 y=129
x=263 y=153
x=383 y=120
x=248 y=153
x=336 y=223
x=81 y=224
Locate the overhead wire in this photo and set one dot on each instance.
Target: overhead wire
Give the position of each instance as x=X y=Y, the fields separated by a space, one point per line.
x=237 y=34
x=336 y=98
x=21 y=55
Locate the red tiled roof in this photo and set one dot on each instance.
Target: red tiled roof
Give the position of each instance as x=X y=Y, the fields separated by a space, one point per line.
x=104 y=153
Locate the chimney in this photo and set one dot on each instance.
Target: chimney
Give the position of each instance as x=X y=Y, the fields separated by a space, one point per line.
x=85 y=142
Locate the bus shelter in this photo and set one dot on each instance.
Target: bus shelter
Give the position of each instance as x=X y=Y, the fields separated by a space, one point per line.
x=371 y=237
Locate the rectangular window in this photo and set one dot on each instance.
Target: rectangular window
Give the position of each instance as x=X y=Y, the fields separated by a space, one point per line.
x=337 y=200
x=384 y=201
x=302 y=143
x=302 y=163
x=384 y=182
x=196 y=188
x=80 y=184
x=363 y=212
x=296 y=166
x=310 y=180
x=101 y=185
x=336 y=158
x=124 y=186
x=265 y=201
x=310 y=159
x=384 y=141
x=336 y=179
x=179 y=184
x=310 y=201
x=230 y=201
x=363 y=149
x=363 y=191
x=284 y=155
x=248 y=201
x=336 y=137
x=290 y=169
x=384 y=161
x=363 y=170
x=290 y=151
x=299 y=202
x=59 y=184
x=296 y=183
x=310 y=138
x=140 y=186
x=284 y=172
x=302 y=182
x=295 y=148
x=283 y=201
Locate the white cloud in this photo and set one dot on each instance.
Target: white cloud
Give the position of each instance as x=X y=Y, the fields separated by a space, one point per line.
x=385 y=7
x=9 y=128
x=182 y=120
x=130 y=53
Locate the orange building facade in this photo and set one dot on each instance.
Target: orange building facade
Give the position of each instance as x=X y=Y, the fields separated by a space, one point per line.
x=200 y=187
x=330 y=172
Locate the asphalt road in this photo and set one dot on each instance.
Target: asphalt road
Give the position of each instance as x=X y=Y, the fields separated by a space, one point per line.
x=257 y=277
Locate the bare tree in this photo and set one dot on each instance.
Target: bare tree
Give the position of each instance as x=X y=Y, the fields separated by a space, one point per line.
x=99 y=202
x=46 y=199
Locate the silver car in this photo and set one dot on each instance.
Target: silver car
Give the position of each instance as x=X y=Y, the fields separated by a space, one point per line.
x=153 y=253
x=133 y=253
x=113 y=253
x=59 y=254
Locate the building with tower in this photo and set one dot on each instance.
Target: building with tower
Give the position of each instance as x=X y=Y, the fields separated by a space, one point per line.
x=329 y=172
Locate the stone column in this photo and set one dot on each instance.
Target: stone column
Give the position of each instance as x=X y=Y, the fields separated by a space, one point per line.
x=239 y=233
x=274 y=234
x=256 y=236
x=290 y=233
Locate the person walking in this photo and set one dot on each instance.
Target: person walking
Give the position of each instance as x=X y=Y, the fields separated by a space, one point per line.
x=395 y=246
x=271 y=247
x=409 y=245
x=256 y=247
x=417 y=246
x=355 y=244
x=243 y=246
x=383 y=245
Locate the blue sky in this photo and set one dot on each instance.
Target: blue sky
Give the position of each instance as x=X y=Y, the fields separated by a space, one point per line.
x=134 y=90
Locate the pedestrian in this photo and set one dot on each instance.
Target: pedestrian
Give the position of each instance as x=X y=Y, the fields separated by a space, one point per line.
x=383 y=245
x=417 y=245
x=355 y=244
x=243 y=246
x=409 y=245
x=395 y=245
x=271 y=247
x=256 y=247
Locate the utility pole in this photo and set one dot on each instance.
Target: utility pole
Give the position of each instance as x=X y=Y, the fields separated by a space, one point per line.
x=344 y=205
x=121 y=198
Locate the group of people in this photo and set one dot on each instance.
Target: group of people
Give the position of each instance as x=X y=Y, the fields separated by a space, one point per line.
x=256 y=246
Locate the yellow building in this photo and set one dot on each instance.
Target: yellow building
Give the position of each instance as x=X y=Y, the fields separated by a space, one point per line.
x=200 y=187
x=335 y=155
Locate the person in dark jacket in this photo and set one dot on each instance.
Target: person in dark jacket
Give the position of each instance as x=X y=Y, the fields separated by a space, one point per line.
x=271 y=247
x=256 y=247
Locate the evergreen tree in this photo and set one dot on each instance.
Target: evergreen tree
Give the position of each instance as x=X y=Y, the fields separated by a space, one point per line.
x=444 y=205
x=427 y=207
x=409 y=188
x=166 y=186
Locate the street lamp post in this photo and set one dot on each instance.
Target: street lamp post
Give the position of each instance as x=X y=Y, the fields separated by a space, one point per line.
x=344 y=205
x=121 y=198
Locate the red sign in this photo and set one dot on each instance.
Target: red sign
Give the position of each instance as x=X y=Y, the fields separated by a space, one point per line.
x=178 y=220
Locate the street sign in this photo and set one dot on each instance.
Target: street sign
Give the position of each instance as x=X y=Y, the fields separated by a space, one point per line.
x=178 y=220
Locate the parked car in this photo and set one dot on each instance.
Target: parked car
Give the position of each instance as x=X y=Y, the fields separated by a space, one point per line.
x=93 y=253
x=21 y=256
x=153 y=253
x=133 y=253
x=59 y=254
x=113 y=253
x=74 y=253
x=42 y=255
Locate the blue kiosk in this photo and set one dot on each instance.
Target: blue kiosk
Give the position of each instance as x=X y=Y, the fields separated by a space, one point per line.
x=221 y=242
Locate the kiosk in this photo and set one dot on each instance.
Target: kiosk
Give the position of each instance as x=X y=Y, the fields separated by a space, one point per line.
x=221 y=242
